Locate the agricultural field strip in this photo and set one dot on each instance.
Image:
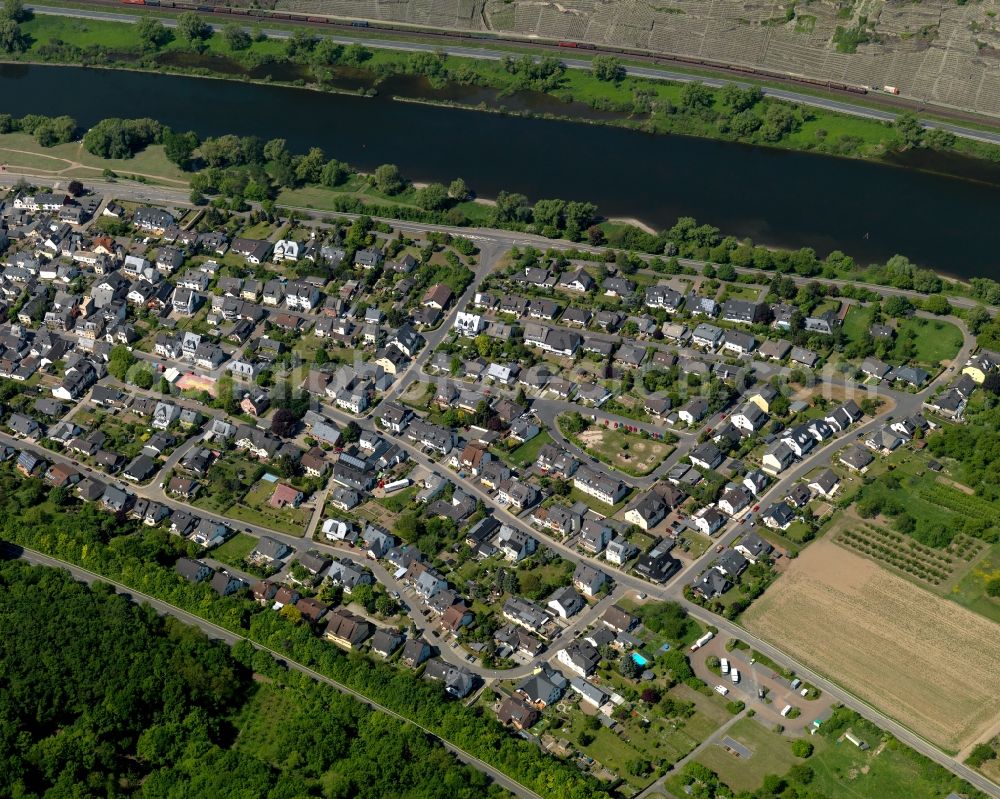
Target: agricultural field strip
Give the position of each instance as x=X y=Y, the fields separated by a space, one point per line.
x=932 y=665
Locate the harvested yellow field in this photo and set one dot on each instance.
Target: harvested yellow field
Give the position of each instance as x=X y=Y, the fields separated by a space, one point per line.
x=928 y=663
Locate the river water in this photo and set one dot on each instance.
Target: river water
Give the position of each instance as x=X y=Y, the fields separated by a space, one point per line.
x=869 y=210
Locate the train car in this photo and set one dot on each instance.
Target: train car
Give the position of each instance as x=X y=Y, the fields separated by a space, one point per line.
x=359 y=23
x=567 y=44
x=134 y=2
x=317 y=19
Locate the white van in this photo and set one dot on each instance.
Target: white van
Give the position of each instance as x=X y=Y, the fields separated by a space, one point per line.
x=724 y=666
x=734 y=675
x=721 y=689
x=787 y=709
x=804 y=692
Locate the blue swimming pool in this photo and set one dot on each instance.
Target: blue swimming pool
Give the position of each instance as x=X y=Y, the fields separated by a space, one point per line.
x=639 y=659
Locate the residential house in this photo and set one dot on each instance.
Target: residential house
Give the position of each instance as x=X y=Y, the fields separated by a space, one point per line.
x=619 y=551
x=566 y=602
x=744 y=312
x=580 y=657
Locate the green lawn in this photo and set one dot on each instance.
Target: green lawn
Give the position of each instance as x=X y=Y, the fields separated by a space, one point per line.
x=735 y=291
x=576 y=495
x=772 y=754
x=254 y=508
x=21 y=149
x=527 y=453
x=933 y=340
x=235 y=550
x=397 y=501
x=857 y=322
x=262 y=230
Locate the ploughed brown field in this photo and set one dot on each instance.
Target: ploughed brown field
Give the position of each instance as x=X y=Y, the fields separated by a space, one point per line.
x=924 y=661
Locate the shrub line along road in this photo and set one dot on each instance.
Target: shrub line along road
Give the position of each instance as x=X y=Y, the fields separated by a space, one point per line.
x=230 y=637
x=492 y=244
x=654 y=73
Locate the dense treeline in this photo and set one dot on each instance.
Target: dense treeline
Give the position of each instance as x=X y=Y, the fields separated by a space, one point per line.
x=103 y=697
x=236 y=170
x=48 y=520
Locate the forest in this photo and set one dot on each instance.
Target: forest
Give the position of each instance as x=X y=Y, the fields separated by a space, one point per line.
x=53 y=522
x=104 y=697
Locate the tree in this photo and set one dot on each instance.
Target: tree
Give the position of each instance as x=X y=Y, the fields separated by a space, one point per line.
x=779 y=120
x=351 y=433
x=388 y=179
x=236 y=37
x=301 y=41
x=977 y=318
x=740 y=99
x=334 y=173
x=13 y=10
x=142 y=376
x=276 y=150
x=458 y=190
x=12 y=40
x=549 y=213
x=120 y=361
x=153 y=34
x=573 y=423
x=607 y=68
x=432 y=197
x=180 y=147
x=283 y=423
x=192 y=28
x=309 y=169
x=629 y=668
x=695 y=96
x=364 y=595
x=897 y=306
x=802 y=748
x=511 y=207
x=909 y=130
x=121 y=138
x=75 y=188
x=384 y=605
x=937 y=305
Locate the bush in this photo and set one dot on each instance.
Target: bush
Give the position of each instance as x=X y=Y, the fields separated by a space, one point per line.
x=980 y=754
x=802 y=748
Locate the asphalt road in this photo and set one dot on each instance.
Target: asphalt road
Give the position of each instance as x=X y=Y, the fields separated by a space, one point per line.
x=220 y=633
x=655 y=73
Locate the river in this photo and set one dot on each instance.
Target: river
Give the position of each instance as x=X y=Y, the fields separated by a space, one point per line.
x=791 y=199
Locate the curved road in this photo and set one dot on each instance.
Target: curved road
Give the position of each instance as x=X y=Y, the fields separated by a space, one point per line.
x=655 y=73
